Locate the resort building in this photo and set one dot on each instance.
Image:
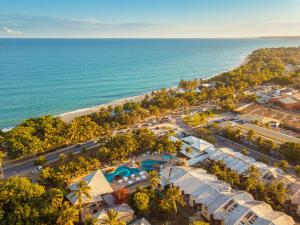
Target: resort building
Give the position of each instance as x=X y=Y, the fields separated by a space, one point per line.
x=196 y=145
x=289 y=101
x=99 y=187
x=240 y=163
x=217 y=202
x=142 y=221
x=125 y=212
x=259 y=119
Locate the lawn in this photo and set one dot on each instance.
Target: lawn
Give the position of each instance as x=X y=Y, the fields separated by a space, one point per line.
x=194 y=120
x=197 y=118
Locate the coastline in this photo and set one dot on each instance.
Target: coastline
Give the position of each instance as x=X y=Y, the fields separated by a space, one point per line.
x=69 y=116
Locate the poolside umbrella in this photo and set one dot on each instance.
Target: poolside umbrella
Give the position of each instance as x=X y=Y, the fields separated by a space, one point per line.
x=132 y=175
x=125 y=178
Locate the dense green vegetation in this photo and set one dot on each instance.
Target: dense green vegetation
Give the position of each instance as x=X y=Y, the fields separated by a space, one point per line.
x=22 y=202
x=122 y=146
x=38 y=135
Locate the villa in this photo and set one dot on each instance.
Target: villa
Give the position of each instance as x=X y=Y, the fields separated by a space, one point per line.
x=142 y=221
x=240 y=163
x=198 y=146
x=99 y=187
x=217 y=202
x=125 y=212
x=252 y=118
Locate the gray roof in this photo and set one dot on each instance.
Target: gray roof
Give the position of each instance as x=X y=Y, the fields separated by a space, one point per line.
x=215 y=194
x=142 y=221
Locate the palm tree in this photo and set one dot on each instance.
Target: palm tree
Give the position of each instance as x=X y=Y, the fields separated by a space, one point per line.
x=112 y=218
x=1 y=161
x=56 y=197
x=62 y=157
x=174 y=197
x=251 y=134
x=189 y=150
x=252 y=182
x=82 y=190
x=253 y=172
x=90 y=220
x=68 y=215
x=154 y=178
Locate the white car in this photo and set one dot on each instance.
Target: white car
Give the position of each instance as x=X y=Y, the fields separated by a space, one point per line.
x=39 y=168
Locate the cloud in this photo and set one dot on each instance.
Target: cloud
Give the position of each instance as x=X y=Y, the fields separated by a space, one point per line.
x=47 y=26
x=11 y=32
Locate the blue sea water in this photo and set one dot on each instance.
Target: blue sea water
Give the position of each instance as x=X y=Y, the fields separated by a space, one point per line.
x=53 y=76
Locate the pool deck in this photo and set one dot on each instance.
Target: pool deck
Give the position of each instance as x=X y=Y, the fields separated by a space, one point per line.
x=135 y=162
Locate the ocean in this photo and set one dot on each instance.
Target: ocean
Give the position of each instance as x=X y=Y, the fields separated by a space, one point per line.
x=53 y=76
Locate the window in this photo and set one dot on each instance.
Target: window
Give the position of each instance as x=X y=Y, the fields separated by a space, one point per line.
x=248 y=215
x=228 y=204
x=231 y=208
x=252 y=219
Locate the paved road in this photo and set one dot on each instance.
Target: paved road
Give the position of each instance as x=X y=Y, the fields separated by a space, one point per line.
x=25 y=166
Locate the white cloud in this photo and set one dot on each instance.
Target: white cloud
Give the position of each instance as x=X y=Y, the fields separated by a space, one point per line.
x=11 y=32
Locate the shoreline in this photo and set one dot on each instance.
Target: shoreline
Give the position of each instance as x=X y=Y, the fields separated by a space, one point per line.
x=69 y=116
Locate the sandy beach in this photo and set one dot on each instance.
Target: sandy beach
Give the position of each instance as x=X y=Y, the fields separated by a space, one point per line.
x=69 y=116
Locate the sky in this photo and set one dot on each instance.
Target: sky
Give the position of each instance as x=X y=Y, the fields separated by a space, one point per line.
x=149 y=18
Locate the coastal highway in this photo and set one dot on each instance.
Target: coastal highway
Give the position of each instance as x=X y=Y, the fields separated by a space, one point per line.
x=24 y=167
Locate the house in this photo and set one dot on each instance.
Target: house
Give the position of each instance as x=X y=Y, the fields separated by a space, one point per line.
x=217 y=202
x=142 y=221
x=99 y=186
x=197 y=146
x=288 y=101
x=252 y=118
x=240 y=163
x=294 y=196
x=125 y=212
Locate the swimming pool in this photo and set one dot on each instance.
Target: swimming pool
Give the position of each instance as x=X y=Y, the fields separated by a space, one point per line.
x=167 y=157
x=123 y=171
x=126 y=171
x=149 y=164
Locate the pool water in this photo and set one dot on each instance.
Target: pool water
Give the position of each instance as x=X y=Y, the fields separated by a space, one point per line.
x=167 y=157
x=123 y=171
x=149 y=164
x=126 y=171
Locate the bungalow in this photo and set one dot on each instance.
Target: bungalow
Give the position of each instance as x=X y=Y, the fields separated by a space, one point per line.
x=217 y=202
x=240 y=163
x=99 y=186
x=197 y=146
x=125 y=212
x=142 y=221
x=252 y=118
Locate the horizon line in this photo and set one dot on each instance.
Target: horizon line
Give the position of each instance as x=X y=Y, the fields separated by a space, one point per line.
x=237 y=37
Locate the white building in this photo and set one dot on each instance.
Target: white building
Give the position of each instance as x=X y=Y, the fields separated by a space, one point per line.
x=125 y=212
x=240 y=163
x=99 y=186
x=217 y=202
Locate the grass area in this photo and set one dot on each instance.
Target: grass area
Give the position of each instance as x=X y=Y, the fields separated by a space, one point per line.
x=197 y=118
